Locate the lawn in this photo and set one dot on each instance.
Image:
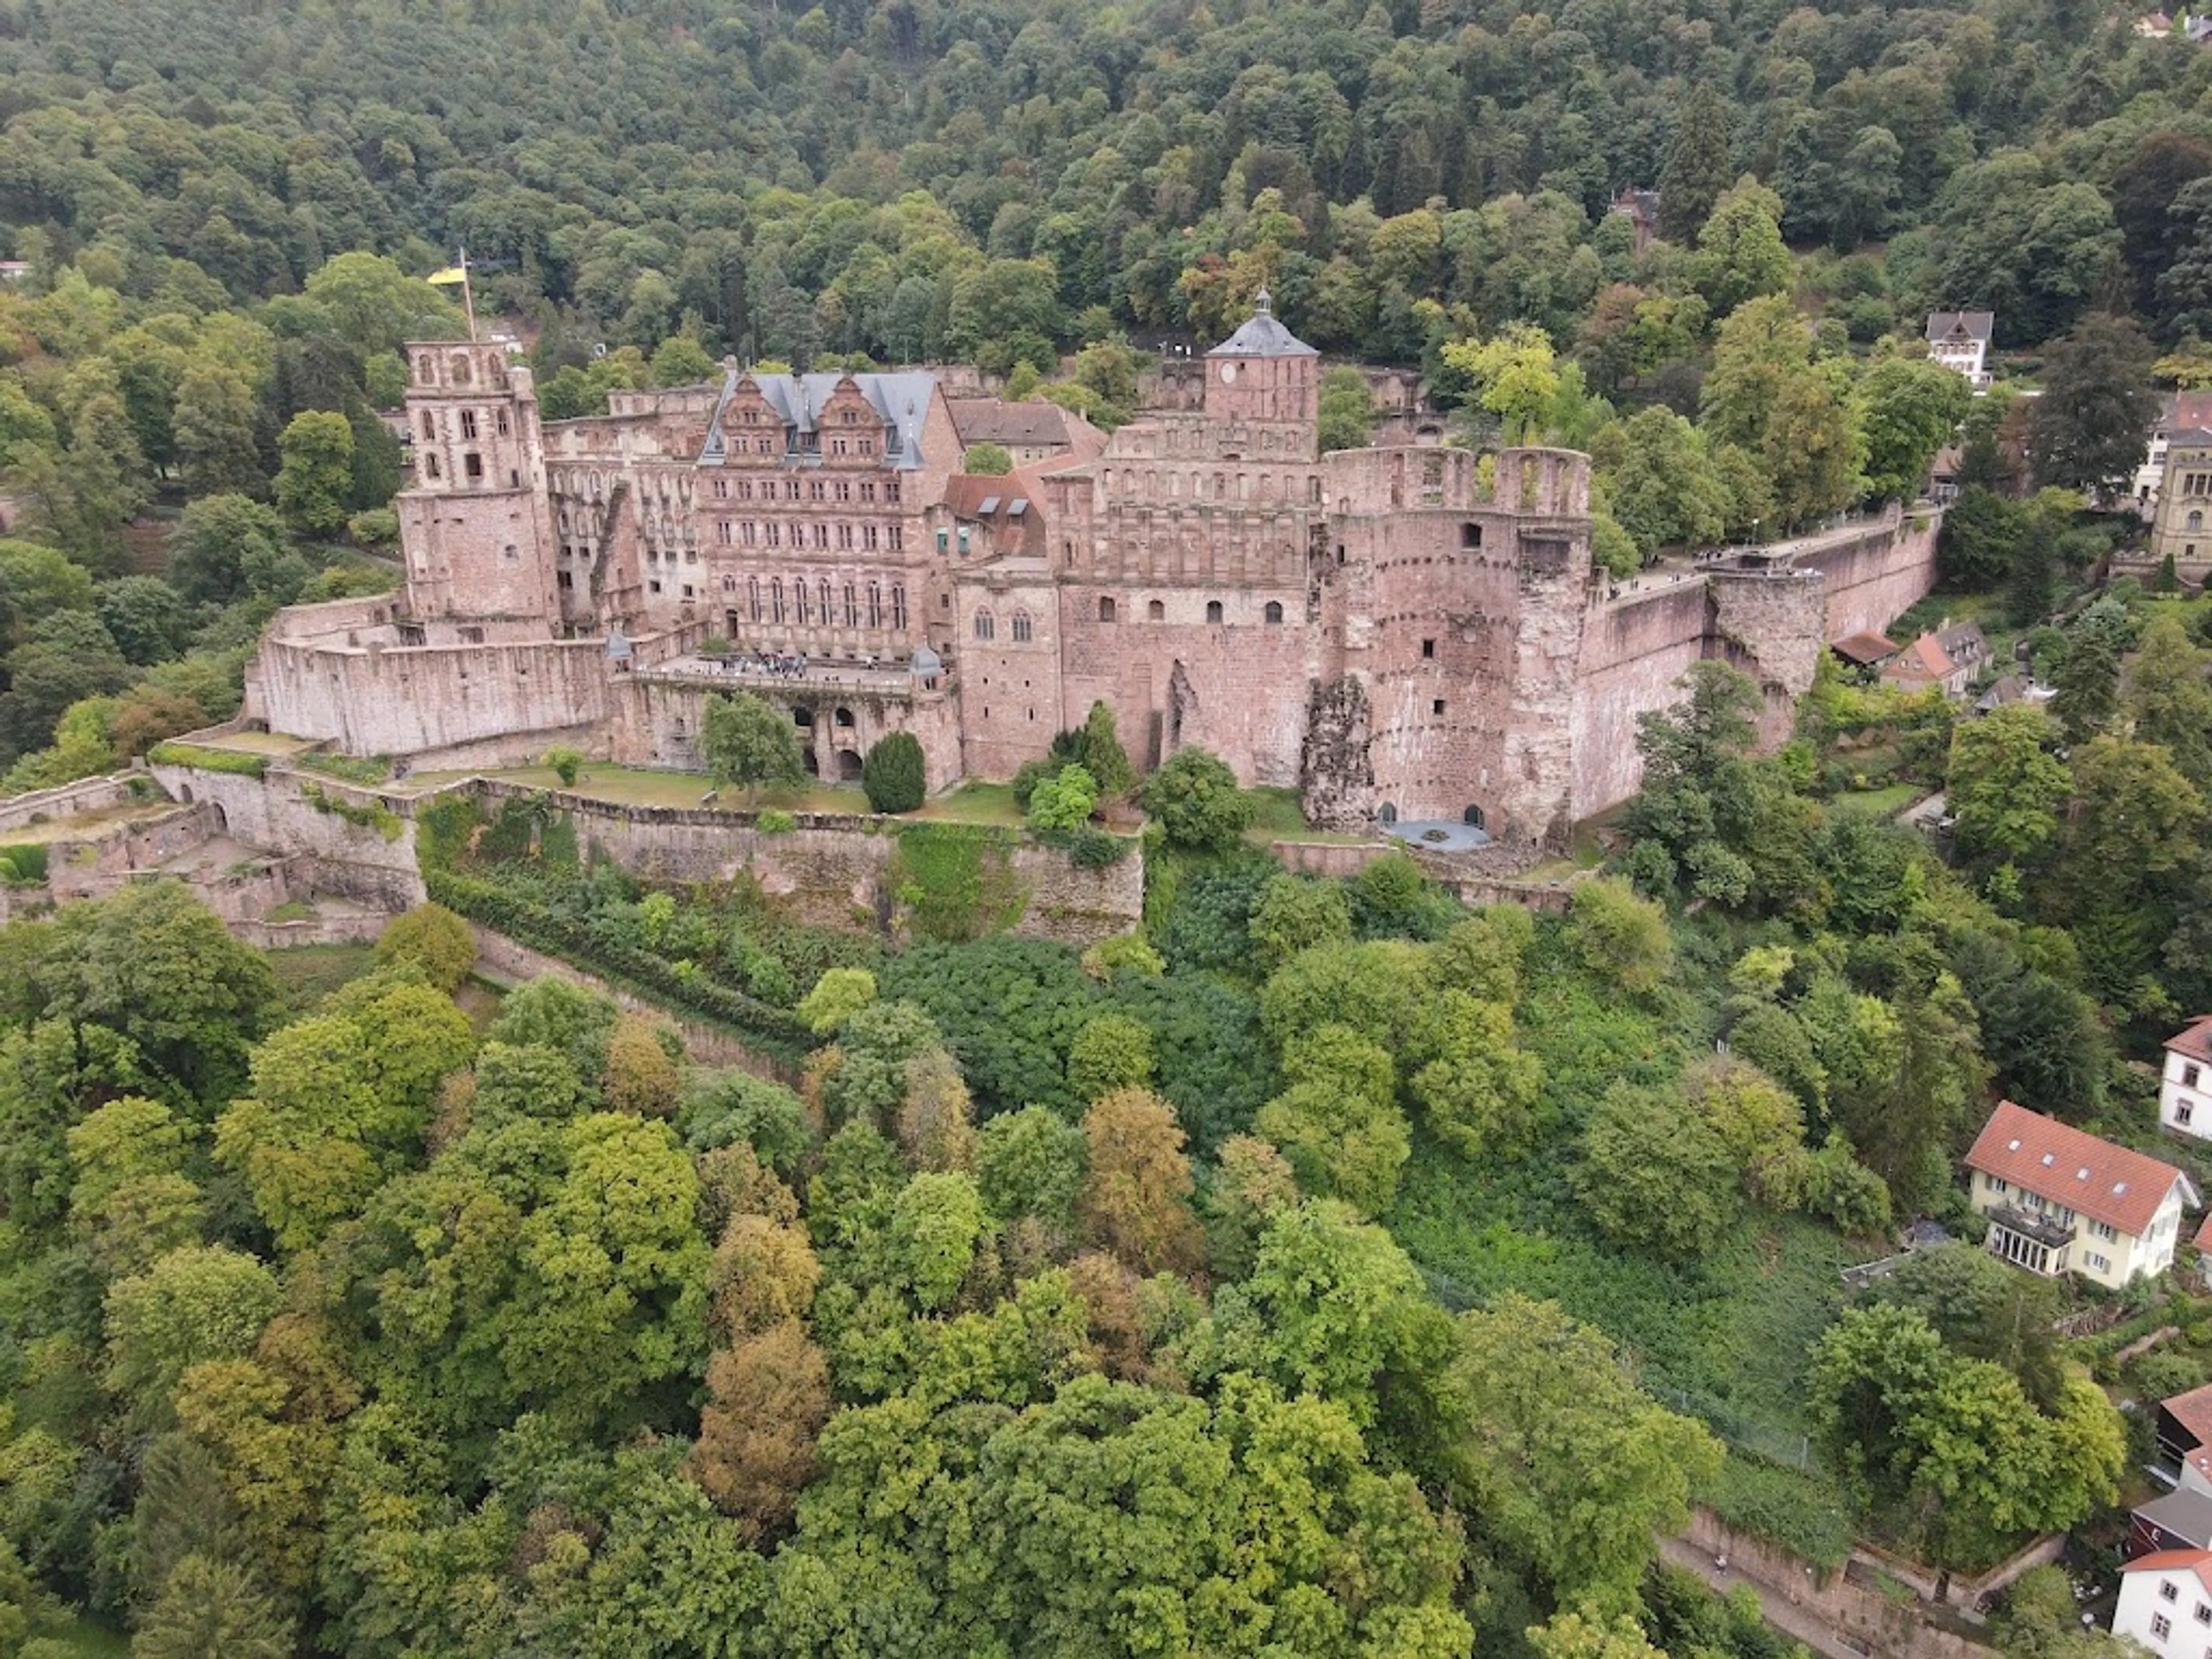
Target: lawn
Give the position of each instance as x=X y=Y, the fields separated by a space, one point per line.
x=1280 y=817
x=252 y=743
x=1884 y=803
x=308 y=973
x=85 y=826
x=628 y=785
x=971 y=802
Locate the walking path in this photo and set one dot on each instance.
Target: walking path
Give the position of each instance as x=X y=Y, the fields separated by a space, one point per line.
x=1779 y=1611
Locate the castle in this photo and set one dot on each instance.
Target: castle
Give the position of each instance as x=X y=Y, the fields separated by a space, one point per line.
x=1386 y=630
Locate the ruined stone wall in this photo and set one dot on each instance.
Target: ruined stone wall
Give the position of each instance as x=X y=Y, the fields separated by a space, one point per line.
x=1633 y=651
x=657 y=718
x=406 y=699
x=1872 y=578
x=273 y=814
x=1770 y=625
x=1011 y=686
x=88 y=795
x=834 y=869
x=1237 y=686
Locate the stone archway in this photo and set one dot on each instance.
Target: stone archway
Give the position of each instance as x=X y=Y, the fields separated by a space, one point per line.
x=849 y=766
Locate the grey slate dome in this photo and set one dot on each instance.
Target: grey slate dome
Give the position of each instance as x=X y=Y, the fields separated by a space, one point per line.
x=927 y=664
x=1262 y=336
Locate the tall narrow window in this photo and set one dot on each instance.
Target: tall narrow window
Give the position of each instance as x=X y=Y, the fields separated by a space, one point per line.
x=876 y=606
x=822 y=600
x=898 y=608
x=468 y=423
x=752 y=596
x=984 y=627
x=1213 y=610
x=1022 y=629
x=775 y=599
x=852 y=609
x=801 y=596
x=1105 y=610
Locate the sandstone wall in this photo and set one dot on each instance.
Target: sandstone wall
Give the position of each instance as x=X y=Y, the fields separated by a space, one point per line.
x=1769 y=624
x=1874 y=576
x=404 y=700
x=88 y=795
x=834 y=869
x=658 y=717
x=273 y=814
x=1633 y=651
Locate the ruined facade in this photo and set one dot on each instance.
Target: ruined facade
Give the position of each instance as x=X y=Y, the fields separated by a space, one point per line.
x=1400 y=633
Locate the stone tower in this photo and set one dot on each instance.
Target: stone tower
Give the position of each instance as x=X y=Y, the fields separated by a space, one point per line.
x=1263 y=373
x=475 y=526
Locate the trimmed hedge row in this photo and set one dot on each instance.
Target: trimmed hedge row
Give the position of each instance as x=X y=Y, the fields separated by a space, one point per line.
x=773 y=1032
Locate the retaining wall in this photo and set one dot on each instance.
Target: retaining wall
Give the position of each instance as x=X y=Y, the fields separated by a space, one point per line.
x=86 y=795
x=1853 y=1600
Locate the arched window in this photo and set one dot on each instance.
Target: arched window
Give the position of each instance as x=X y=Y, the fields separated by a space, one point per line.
x=2196 y=520
x=1274 y=612
x=1022 y=629
x=984 y=626
x=1213 y=610
x=1105 y=610
x=752 y=596
x=460 y=369
x=1156 y=612
x=430 y=465
x=429 y=425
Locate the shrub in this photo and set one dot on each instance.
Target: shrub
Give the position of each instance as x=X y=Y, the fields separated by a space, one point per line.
x=894 y=775
x=566 y=763
x=775 y=822
x=434 y=940
x=1197 y=800
x=1094 y=849
x=1065 y=800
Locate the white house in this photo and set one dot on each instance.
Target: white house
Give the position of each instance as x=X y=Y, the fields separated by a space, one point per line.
x=2165 y=1603
x=2059 y=1200
x=1959 y=340
x=2184 y=1089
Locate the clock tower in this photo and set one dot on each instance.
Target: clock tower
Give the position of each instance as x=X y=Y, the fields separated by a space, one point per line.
x=1263 y=372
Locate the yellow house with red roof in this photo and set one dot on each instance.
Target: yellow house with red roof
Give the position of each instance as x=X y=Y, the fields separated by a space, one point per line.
x=2060 y=1200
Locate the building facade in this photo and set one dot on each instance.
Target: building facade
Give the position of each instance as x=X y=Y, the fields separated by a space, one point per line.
x=2179 y=524
x=1402 y=633
x=2059 y=1200
x=2184 y=1084
x=2165 y=1603
x=1959 y=340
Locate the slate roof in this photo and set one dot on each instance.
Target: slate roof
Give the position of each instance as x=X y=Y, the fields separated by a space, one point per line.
x=900 y=399
x=1973 y=325
x=2069 y=1166
x=1262 y=336
x=2186 y=1513
x=992 y=420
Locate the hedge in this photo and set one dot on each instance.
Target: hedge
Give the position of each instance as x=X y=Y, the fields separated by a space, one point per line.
x=773 y=1032
x=209 y=760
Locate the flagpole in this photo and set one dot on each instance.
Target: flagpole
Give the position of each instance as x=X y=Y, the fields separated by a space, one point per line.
x=468 y=297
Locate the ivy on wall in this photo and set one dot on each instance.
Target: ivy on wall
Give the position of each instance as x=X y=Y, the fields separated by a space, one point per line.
x=957 y=880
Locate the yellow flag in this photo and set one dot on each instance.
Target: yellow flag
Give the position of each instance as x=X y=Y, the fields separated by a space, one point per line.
x=448 y=277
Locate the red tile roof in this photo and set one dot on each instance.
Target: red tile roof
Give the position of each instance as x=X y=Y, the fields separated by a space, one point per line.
x=1923 y=660
x=2059 y=1161
x=2194 y=1039
x=2196 y=1561
x=2193 y=1411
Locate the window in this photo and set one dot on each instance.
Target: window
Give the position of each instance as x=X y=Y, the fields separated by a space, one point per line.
x=2098 y=1263
x=722 y=532
x=852 y=607
x=898 y=539
x=1156 y=612
x=898 y=605
x=1105 y=610
x=822 y=600
x=500 y=421
x=1274 y=611
x=1999 y=1184
x=1428 y=648
x=429 y=425
x=469 y=430
x=1213 y=610
x=2204 y=1613
x=2160 y=1626
x=2196 y=520
x=752 y=596
x=1437 y=706
x=1022 y=630
x=2103 y=1229
x=775 y=599
x=2169 y=1591
x=430 y=465
x=2183 y=1112
x=1470 y=535
x=472 y=464
x=801 y=596
x=984 y=627
x=2189 y=1075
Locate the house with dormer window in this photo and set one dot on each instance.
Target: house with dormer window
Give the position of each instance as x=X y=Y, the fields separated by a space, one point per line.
x=2184 y=1087
x=2060 y=1200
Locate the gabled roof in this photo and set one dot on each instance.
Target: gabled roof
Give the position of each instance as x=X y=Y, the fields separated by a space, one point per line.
x=1923 y=662
x=2196 y=1561
x=1865 y=649
x=2194 y=1039
x=2203 y=1239
x=901 y=402
x=2185 y=1513
x=2057 y=1161
x=2193 y=1412
x=992 y=420
x=1262 y=336
x=1962 y=324
x=1962 y=642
